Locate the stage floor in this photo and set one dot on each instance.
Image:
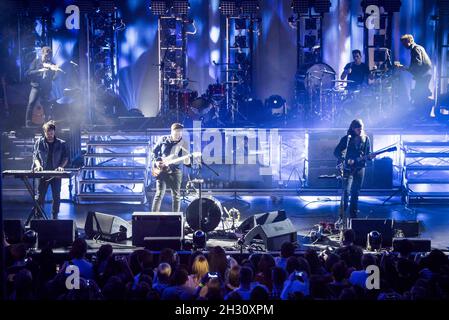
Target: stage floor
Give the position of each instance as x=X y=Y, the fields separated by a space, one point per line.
x=304 y=212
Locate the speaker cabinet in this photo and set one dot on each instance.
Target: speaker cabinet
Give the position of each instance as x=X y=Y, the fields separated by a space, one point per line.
x=362 y=227
x=158 y=230
x=106 y=227
x=261 y=218
x=419 y=244
x=54 y=233
x=272 y=235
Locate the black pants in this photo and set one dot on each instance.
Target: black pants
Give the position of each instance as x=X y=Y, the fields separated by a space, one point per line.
x=55 y=184
x=352 y=183
x=420 y=95
x=173 y=181
x=35 y=95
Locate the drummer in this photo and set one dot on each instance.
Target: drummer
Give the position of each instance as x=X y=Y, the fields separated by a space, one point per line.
x=356 y=71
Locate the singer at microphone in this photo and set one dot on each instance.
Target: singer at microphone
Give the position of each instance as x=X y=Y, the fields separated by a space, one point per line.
x=356 y=72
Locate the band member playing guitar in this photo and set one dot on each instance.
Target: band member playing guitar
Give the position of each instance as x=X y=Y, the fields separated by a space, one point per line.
x=169 y=175
x=421 y=69
x=352 y=152
x=50 y=153
x=41 y=73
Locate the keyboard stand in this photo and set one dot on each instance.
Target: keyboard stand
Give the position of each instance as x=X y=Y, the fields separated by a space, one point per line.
x=37 y=212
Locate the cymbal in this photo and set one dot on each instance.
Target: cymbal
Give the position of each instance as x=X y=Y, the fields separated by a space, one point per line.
x=65 y=100
x=343 y=81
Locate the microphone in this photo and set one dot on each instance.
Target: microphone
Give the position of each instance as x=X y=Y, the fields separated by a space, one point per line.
x=75 y=64
x=214 y=62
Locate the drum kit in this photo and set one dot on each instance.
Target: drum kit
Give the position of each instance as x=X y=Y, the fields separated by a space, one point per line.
x=337 y=101
x=206 y=108
x=205 y=213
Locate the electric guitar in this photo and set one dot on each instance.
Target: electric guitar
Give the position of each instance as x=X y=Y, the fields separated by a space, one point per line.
x=164 y=167
x=351 y=164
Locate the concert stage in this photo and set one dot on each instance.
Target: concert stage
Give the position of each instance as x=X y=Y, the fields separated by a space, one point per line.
x=304 y=212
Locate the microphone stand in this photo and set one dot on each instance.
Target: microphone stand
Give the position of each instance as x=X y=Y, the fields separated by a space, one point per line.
x=342 y=213
x=200 y=181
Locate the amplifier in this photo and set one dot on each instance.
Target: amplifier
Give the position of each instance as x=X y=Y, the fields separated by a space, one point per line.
x=158 y=230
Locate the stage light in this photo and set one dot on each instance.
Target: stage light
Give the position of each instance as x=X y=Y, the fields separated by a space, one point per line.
x=322 y=6
x=158 y=7
x=228 y=8
x=181 y=7
x=309 y=41
x=275 y=102
x=310 y=24
x=379 y=40
x=374 y=241
x=240 y=42
x=171 y=40
x=240 y=24
x=300 y=6
x=199 y=239
x=240 y=57
x=171 y=23
x=30 y=239
x=443 y=7
x=250 y=6
x=380 y=55
x=392 y=5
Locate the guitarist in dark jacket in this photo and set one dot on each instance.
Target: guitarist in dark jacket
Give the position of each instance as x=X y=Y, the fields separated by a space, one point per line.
x=349 y=151
x=172 y=177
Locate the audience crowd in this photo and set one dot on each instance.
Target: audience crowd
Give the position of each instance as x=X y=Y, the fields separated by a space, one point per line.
x=329 y=275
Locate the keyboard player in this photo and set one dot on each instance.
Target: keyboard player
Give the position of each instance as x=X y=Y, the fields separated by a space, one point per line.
x=50 y=153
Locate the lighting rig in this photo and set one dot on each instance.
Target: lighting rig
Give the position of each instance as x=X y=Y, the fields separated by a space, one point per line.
x=442 y=71
x=377 y=22
x=34 y=26
x=173 y=22
x=307 y=19
x=242 y=28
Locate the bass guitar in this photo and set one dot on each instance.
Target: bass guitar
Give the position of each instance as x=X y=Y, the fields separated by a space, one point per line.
x=164 y=165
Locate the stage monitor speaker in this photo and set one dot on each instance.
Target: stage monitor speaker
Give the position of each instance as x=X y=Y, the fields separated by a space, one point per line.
x=106 y=227
x=419 y=244
x=158 y=230
x=261 y=218
x=272 y=235
x=362 y=227
x=55 y=233
x=14 y=230
x=406 y=228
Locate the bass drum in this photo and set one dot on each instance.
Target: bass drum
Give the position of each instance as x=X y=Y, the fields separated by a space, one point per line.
x=211 y=214
x=319 y=75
